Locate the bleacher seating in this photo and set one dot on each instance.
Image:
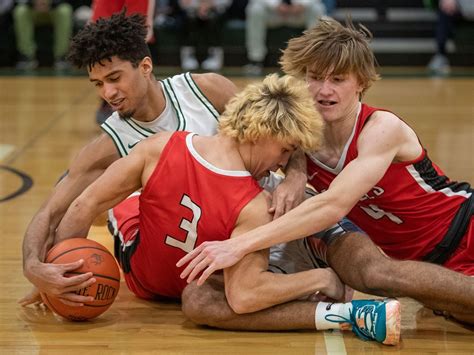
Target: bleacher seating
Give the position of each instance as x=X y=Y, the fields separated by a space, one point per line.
x=403 y=35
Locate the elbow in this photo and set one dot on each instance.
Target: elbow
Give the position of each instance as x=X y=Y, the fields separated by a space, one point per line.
x=242 y=300
x=83 y=209
x=81 y=203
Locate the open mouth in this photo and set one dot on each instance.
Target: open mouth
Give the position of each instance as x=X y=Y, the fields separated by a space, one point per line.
x=326 y=103
x=116 y=103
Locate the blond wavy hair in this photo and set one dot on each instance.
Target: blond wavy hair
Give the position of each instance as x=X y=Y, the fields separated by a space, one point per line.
x=330 y=48
x=277 y=108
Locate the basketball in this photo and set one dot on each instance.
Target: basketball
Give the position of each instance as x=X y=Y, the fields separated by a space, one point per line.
x=99 y=261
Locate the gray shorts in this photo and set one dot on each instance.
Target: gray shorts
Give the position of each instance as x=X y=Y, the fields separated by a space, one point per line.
x=307 y=253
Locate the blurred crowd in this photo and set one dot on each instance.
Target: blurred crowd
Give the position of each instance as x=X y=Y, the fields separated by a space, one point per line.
x=198 y=25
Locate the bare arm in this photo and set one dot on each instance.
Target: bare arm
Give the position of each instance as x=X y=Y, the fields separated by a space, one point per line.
x=250 y=287
x=218 y=89
x=122 y=178
x=384 y=140
x=89 y=164
x=290 y=193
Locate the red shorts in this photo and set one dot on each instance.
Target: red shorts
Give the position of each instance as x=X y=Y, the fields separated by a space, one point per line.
x=124 y=224
x=106 y=8
x=462 y=259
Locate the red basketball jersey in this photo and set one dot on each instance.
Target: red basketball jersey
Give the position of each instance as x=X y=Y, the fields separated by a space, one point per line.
x=106 y=8
x=185 y=202
x=409 y=210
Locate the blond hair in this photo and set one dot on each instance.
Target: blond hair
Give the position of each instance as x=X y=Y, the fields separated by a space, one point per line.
x=277 y=108
x=329 y=48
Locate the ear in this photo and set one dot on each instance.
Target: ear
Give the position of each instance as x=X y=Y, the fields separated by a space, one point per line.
x=146 y=66
x=360 y=88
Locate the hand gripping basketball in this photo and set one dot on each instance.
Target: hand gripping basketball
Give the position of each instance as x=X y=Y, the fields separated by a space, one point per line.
x=99 y=261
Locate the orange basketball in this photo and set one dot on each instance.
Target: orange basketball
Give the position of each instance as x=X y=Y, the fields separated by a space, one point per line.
x=99 y=261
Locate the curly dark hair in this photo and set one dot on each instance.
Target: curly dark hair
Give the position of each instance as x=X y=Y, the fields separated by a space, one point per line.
x=120 y=35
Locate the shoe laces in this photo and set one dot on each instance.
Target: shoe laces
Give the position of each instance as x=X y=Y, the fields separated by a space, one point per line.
x=367 y=312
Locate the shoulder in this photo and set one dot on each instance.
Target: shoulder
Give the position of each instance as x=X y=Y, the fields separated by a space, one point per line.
x=217 y=88
x=152 y=145
x=255 y=213
x=383 y=123
x=385 y=132
x=156 y=141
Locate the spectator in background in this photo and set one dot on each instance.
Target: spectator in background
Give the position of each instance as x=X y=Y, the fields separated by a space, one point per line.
x=204 y=24
x=448 y=11
x=330 y=6
x=5 y=8
x=236 y=10
x=262 y=14
x=27 y=14
x=169 y=16
x=106 y=8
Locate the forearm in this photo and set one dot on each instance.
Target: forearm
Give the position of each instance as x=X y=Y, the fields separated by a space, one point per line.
x=312 y=216
x=296 y=169
x=77 y=220
x=39 y=238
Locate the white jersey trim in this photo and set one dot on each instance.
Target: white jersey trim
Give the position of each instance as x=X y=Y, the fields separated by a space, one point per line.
x=199 y=94
x=115 y=138
x=186 y=108
x=209 y=166
x=447 y=191
x=175 y=102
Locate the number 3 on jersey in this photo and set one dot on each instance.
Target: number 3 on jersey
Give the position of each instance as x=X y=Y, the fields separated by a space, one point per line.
x=189 y=226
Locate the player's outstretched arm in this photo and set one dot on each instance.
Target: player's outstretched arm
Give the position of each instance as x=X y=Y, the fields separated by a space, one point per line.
x=121 y=179
x=90 y=163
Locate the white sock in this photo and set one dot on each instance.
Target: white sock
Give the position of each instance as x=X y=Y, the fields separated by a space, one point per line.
x=336 y=311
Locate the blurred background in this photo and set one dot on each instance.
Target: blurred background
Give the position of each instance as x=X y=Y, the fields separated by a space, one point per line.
x=242 y=37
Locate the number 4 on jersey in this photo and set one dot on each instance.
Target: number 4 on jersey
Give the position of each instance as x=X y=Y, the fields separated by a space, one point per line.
x=376 y=213
x=189 y=226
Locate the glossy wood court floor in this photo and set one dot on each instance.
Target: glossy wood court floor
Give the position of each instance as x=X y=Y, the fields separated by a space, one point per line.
x=43 y=123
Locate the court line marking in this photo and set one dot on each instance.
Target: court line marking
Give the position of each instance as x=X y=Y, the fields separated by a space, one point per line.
x=6 y=150
x=334 y=343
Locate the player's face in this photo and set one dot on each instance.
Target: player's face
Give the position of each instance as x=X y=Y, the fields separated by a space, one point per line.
x=269 y=155
x=336 y=97
x=120 y=84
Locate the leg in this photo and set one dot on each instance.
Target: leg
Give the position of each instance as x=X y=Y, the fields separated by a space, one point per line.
x=313 y=13
x=207 y=305
x=24 y=30
x=443 y=30
x=62 y=22
x=368 y=270
x=256 y=31
x=215 y=53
